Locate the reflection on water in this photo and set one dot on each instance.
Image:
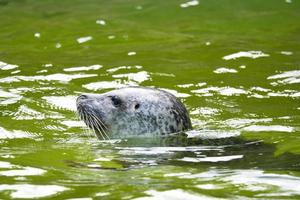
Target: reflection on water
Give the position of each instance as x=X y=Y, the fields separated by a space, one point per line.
x=244 y=103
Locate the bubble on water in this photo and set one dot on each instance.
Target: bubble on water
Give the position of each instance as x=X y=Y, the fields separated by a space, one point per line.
x=27 y=191
x=270 y=128
x=131 y=53
x=111 y=37
x=6 y=66
x=83 y=68
x=247 y=54
x=84 y=39
x=223 y=70
x=100 y=22
x=288 y=1
x=58 y=45
x=287 y=53
x=207 y=43
x=242 y=67
x=189 y=3
x=37 y=35
x=139 y=7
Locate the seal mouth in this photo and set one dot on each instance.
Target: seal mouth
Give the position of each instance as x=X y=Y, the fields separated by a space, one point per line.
x=92 y=121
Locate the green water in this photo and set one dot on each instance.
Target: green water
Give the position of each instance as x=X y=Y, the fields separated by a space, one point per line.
x=235 y=65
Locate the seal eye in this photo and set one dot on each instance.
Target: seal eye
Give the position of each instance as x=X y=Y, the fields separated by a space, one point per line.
x=116 y=101
x=137 y=106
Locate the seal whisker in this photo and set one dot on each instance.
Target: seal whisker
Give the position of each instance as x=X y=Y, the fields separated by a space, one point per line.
x=98 y=126
x=87 y=122
x=99 y=131
x=99 y=122
x=94 y=126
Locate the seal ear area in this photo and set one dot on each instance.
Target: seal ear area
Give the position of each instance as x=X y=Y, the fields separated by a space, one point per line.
x=137 y=106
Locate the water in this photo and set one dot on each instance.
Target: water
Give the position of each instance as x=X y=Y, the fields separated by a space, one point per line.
x=234 y=64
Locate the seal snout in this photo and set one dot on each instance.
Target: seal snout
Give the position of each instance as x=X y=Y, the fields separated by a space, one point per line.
x=81 y=98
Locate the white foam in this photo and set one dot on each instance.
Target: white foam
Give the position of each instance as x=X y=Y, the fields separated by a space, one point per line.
x=205 y=111
x=84 y=39
x=275 y=128
x=248 y=54
x=5 y=134
x=131 y=53
x=223 y=70
x=225 y=91
x=289 y=77
x=189 y=3
x=63 y=102
x=6 y=66
x=138 y=77
x=26 y=171
x=177 y=194
x=104 y=85
x=63 y=78
x=211 y=134
x=112 y=70
x=26 y=191
x=71 y=124
x=37 y=35
x=211 y=159
x=84 y=68
x=100 y=22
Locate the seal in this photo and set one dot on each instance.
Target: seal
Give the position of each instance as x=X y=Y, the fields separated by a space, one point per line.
x=133 y=111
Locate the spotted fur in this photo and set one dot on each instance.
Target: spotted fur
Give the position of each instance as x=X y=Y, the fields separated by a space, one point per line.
x=133 y=111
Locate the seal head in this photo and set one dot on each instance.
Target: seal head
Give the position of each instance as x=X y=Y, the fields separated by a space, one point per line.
x=133 y=111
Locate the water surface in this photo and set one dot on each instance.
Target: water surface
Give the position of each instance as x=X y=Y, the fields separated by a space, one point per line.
x=235 y=64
